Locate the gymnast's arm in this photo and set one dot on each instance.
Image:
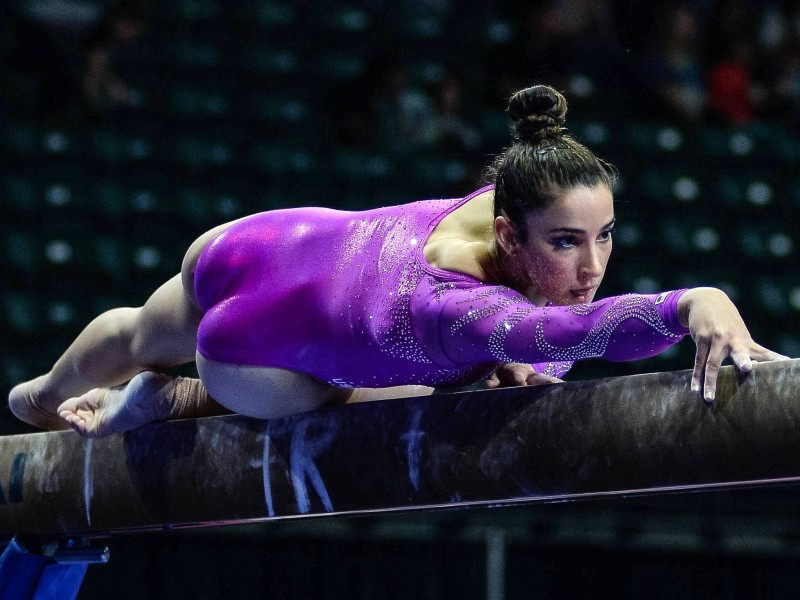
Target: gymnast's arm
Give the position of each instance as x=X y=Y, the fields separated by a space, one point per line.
x=462 y=323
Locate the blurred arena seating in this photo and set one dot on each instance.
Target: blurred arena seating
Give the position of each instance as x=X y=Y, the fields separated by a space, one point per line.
x=270 y=105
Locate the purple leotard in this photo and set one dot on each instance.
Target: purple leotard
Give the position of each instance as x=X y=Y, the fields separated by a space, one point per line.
x=348 y=298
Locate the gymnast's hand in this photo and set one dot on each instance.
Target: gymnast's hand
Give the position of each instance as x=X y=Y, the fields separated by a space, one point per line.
x=516 y=374
x=719 y=332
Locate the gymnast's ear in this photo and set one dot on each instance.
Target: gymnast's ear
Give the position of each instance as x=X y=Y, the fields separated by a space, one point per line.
x=506 y=235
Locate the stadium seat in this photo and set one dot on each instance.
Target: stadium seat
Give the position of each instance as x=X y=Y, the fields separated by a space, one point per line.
x=192 y=53
x=353 y=165
x=21 y=139
x=198 y=153
x=20 y=253
x=284 y=110
x=274 y=61
x=338 y=66
x=189 y=10
x=21 y=193
x=196 y=102
x=271 y=15
x=340 y=18
x=277 y=159
x=23 y=313
x=655 y=138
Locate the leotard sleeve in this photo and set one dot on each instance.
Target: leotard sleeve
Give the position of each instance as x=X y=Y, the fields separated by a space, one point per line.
x=462 y=322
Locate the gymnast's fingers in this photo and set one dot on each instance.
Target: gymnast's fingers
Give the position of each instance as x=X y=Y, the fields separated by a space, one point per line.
x=742 y=360
x=717 y=352
x=518 y=373
x=513 y=374
x=698 y=372
x=539 y=379
x=765 y=354
x=493 y=382
x=744 y=357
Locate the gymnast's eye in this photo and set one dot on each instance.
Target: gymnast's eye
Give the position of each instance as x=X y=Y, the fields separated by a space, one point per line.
x=606 y=235
x=564 y=242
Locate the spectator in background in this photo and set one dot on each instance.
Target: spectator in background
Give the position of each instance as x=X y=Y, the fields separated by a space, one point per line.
x=562 y=38
x=730 y=86
x=38 y=77
x=794 y=80
x=350 y=115
x=104 y=88
x=405 y=113
x=778 y=87
x=672 y=71
x=451 y=128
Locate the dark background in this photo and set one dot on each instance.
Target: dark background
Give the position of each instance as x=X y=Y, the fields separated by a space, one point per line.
x=129 y=129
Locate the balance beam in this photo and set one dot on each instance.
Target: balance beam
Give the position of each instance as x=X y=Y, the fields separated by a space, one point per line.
x=641 y=434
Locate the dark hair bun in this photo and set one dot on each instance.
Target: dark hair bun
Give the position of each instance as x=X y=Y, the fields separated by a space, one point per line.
x=539 y=112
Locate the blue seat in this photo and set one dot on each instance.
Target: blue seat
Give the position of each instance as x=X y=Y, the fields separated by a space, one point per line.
x=31 y=139
x=114 y=145
x=23 y=313
x=15 y=369
x=593 y=132
x=22 y=193
x=272 y=15
x=774 y=296
x=278 y=159
x=196 y=205
x=359 y=166
x=681 y=188
x=198 y=153
x=277 y=62
x=191 y=53
x=420 y=25
x=192 y=10
x=198 y=102
x=341 y=66
x=651 y=138
x=22 y=138
x=283 y=110
x=636 y=275
x=747 y=189
x=341 y=18
x=21 y=251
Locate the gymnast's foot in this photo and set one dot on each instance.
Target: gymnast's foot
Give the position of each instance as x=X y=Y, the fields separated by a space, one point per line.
x=104 y=411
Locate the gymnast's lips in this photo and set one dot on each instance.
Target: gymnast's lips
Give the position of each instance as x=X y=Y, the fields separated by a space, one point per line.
x=583 y=293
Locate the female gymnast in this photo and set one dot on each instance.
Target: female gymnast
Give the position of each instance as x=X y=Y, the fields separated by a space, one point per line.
x=288 y=310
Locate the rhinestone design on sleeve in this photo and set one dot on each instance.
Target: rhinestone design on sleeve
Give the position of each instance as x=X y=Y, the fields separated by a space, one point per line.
x=596 y=341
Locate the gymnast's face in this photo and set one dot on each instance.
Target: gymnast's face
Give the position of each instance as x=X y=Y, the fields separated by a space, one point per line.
x=565 y=254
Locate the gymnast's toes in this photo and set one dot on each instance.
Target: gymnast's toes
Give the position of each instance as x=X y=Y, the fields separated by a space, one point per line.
x=86 y=414
x=74 y=421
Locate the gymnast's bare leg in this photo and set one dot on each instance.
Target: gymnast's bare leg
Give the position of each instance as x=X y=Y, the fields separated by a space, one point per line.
x=114 y=348
x=110 y=351
x=259 y=392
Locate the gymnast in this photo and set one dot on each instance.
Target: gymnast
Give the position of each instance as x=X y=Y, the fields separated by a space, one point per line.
x=288 y=310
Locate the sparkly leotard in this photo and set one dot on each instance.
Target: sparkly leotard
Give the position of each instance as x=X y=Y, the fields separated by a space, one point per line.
x=348 y=298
